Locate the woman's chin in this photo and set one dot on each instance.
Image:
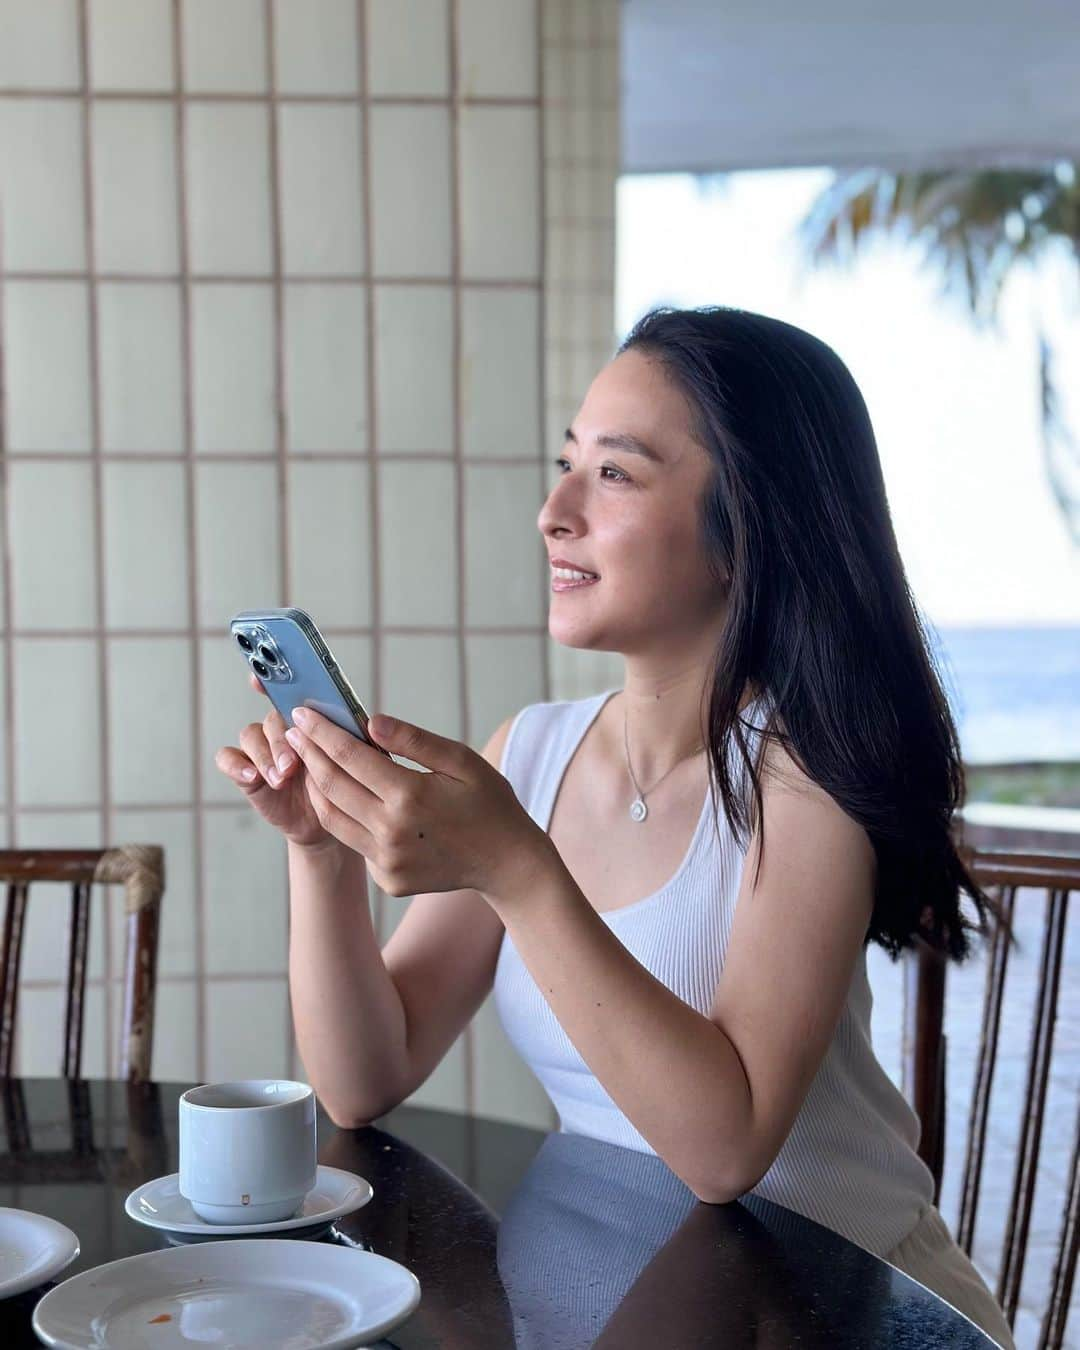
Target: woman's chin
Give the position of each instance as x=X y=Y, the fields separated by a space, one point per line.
x=568 y=634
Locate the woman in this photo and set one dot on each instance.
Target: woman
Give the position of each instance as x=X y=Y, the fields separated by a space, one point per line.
x=720 y=520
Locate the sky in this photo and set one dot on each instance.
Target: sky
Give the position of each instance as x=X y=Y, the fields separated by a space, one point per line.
x=954 y=409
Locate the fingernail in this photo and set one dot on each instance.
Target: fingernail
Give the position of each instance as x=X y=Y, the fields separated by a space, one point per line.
x=249 y=774
x=301 y=717
x=273 y=777
x=284 y=760
x=293 y=737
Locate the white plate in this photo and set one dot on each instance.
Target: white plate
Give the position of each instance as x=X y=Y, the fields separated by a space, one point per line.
x=32 y=1250
x=269 y=1295
x=159 y=1204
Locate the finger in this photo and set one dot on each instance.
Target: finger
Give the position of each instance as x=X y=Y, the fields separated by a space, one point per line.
x=349 y=831
x=256 y=683
x=423 y=747
x=254 y=744
x=335 y=782
x=285 y=761
x=236 y=765
x=362 y=762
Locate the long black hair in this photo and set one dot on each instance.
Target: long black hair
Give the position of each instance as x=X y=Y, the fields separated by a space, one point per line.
x=820 y=619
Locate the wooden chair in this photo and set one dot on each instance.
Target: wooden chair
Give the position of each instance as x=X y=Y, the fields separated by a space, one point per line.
x=1001 y=874
x=141 y=869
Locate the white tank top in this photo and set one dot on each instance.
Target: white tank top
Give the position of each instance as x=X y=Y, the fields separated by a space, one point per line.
x=849 y=1161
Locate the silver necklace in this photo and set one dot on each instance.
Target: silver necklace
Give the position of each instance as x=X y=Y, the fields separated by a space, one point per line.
x=638 y=809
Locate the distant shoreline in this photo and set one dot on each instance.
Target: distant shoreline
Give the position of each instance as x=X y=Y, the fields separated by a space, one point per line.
x=1014 y=693
x=1053 y=783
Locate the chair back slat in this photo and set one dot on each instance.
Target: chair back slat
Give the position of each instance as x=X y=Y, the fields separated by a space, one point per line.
x=984 y=1072
x=78 y=944
x=139 y=989
x=1057 y=1308
x=1034 y=1105
x=1058 y=877
x=140 y=869
x=10 y=957
x=924 y=1053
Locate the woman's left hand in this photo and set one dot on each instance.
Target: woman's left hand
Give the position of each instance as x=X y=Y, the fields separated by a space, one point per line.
x=459 y=826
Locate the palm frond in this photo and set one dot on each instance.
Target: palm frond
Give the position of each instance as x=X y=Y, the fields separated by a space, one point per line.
x=975 y=228
x=1061 y=452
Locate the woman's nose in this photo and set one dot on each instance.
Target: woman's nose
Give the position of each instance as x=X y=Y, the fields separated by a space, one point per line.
x=560 y=509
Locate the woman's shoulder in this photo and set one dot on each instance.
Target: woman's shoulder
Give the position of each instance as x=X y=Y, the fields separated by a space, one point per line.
x=533 y=723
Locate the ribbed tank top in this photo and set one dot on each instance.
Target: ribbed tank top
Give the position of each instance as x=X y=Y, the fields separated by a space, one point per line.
x=849 y=1161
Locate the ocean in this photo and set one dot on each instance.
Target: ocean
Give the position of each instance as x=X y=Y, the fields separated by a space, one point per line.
x=1015 y=692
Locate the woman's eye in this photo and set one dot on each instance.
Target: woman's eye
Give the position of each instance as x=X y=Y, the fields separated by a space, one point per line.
x=606 y=468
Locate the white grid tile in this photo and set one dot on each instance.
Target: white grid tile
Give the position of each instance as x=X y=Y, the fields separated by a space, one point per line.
x=150 y=691
x=501 y=507
x=39 y=44
x=49 y=520
x=135 y=186
x=48 y=402
x=500 y=193
x=244 y=1022
x=145 y=548
x=228 y=167
x=316 y=47
x=412 y=694
x=498 y=41
x=501 y=376
x=58 y=752
x=414 y=370
x=325 y=341
x=233 y=368
x=142 y=393
x=321 y=220
x=410 y=171
x=418 y=540
x=239 y=552
x=246 y=899
x=41 y=184
x=330 y=532
x=131 y=44
x=409 y=43
x=224 y=46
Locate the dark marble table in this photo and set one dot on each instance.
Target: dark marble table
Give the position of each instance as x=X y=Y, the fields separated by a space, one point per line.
x=519 y=1239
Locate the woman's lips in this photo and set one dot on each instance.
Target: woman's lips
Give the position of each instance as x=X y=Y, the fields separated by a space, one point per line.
x=560 y=584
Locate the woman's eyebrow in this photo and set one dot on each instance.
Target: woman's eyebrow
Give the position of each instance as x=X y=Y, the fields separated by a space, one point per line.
x=621 y=441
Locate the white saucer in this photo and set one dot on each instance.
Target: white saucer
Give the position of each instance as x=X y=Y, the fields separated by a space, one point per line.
x=159 y=1204
x=32 y=1250
x=270 y=1295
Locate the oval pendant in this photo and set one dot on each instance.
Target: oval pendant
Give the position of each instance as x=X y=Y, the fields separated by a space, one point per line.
x=638 y=810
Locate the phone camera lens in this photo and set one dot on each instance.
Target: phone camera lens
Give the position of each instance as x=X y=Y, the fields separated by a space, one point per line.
x=262 y=670
x=268 y=655
x=245 y=642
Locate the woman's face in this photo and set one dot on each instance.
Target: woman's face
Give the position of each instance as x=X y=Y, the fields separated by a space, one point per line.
x=632 y=518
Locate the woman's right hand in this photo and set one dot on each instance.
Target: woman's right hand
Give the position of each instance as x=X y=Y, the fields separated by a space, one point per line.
x=278 y=794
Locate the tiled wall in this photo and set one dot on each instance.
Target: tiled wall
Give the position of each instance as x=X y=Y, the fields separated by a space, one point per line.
x=272 y=330
x=581 y=140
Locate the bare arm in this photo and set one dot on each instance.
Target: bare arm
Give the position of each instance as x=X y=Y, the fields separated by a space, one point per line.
x=371 y=1025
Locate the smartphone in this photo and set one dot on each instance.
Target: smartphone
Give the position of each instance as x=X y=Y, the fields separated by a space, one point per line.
x=297 y=669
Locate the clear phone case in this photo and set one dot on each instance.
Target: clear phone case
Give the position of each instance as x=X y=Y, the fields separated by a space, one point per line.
x=297 y=669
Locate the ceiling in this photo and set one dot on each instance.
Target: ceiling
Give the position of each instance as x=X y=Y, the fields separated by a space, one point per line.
x=738 y=84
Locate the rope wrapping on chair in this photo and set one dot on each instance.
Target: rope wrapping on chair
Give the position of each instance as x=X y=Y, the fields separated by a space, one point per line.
x=139 y=867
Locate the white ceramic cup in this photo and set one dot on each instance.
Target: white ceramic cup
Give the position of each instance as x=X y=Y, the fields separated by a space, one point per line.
x=247 y=1149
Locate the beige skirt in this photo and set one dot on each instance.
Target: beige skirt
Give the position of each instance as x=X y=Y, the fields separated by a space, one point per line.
x=931 y=1255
